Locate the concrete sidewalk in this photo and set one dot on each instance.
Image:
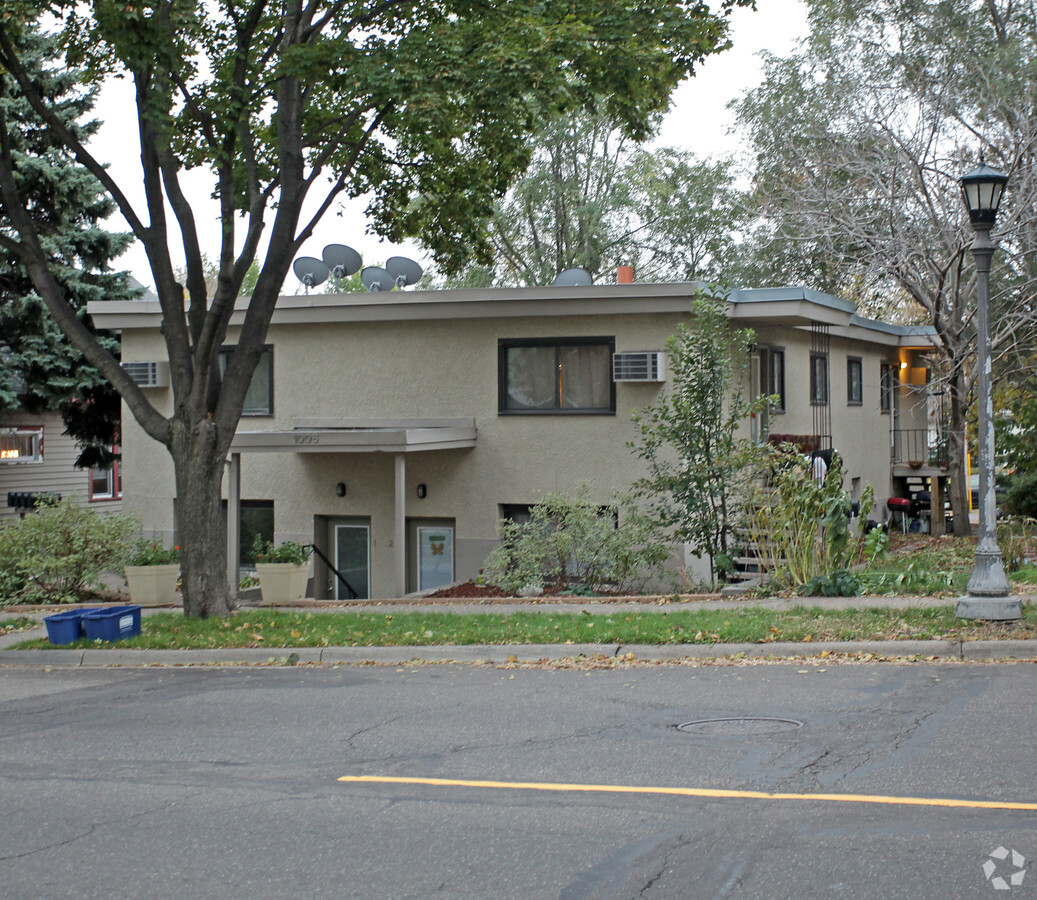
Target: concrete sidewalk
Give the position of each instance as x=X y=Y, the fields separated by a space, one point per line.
x=500 y=654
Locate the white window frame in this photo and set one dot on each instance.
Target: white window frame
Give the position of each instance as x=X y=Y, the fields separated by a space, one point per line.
x=35 y=434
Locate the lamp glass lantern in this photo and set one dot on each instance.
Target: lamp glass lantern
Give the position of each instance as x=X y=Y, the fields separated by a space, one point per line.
x=982 y=190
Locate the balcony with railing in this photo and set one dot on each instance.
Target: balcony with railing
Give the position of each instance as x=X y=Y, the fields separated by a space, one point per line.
x=921 y=450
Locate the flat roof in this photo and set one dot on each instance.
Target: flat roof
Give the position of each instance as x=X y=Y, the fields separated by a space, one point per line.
x=795 y=306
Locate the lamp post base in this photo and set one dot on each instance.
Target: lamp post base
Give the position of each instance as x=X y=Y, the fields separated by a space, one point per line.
x=989 y=609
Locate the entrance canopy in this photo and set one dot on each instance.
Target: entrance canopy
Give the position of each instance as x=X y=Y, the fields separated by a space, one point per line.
x=396 y=436
x=359 y=436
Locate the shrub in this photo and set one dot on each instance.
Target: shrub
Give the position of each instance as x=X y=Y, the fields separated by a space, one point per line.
x=800 y=524
x=286 y=552
x=58 y=553
x=152 y=553
x=574 y=545
x=1021 y=499
x=1017 y=540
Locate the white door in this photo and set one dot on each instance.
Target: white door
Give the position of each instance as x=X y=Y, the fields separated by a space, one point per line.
x=435 y=557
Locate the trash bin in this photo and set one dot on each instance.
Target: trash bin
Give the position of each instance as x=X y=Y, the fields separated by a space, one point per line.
x=66 y=627
x=112 y=624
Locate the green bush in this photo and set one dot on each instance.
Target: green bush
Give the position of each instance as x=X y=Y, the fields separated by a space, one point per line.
x=59 y=552
x=1021 y=499
x=573 y=545
x=152 y=553
x=287 y=552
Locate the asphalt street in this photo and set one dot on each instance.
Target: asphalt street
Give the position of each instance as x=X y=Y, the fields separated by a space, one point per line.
x=225 y=782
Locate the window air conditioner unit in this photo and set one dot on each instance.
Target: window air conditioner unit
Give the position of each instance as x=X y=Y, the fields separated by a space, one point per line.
x=642 y=365
x=148 y=374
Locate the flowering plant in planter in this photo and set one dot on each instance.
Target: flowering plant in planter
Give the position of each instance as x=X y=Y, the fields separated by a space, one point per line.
x=286 y=552
x=152 y=553
x=152 y=574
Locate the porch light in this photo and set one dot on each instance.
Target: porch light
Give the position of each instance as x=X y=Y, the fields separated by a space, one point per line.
x=982 y=190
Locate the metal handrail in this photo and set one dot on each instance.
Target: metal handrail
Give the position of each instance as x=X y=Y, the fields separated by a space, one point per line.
x=353 y=595
x=913 y=446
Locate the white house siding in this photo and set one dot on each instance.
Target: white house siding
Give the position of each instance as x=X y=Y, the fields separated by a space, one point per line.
x=56 y=474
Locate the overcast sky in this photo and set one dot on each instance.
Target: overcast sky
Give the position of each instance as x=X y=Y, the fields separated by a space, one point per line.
x=699 y=121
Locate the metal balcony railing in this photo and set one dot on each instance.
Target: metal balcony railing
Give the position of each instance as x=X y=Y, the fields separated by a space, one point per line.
x=918 y=447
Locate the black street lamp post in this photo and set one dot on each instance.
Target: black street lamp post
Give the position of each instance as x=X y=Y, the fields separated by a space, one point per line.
x=988 y=587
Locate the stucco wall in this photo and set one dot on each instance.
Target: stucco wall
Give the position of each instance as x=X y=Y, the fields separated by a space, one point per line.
x=428 y=369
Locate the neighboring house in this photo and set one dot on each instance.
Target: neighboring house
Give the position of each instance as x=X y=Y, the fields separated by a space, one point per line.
x=37 y=457
x=394 y=430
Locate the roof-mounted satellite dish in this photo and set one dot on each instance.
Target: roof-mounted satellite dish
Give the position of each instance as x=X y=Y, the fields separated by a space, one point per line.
x=402 y=271
x=310 y=271
x=342 y=260
x=375 y=278
x=578 y=277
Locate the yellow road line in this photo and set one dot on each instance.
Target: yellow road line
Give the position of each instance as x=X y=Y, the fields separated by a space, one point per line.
x=688 y=792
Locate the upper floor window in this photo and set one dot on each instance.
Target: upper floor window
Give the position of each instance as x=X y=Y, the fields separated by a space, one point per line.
x=854 y=381
x=21 y=444
x=259 y=400
x=819 y=378
x=543 y=376
x=889 y=383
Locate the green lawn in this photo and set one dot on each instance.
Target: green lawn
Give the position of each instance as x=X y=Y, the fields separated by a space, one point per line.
x=276 y=629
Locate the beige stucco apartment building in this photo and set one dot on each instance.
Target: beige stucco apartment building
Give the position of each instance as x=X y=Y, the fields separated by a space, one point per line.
x=393 y=430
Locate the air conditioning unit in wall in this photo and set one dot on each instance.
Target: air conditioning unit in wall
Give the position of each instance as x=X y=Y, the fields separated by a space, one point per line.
x=148 y=374
x=640 y=365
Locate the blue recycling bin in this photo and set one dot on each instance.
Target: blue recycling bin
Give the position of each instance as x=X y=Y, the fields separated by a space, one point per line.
x=112 y=624
x=67 y=627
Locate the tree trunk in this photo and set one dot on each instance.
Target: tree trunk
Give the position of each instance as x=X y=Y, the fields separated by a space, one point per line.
x=198 y=461
x=956 y=468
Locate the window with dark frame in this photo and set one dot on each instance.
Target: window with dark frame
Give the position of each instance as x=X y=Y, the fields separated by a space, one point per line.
x=556 y=376
x=889 y=382
x=818 y=379
x=776 y=378
x=259 y=400
x=854 y=381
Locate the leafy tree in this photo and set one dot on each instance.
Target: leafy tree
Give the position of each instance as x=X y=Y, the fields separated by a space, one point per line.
x=698 y=465
x=859 y=142
x=426 y=106
x=594 y=198
x=42 y=369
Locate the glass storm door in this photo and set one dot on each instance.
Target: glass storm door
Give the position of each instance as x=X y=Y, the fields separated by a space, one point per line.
x=353 y=560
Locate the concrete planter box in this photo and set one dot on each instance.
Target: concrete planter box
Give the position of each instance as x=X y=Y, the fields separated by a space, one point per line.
x=282 y=582
x=153 y=585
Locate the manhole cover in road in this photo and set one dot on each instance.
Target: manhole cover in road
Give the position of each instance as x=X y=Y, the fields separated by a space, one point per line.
x=740 y=725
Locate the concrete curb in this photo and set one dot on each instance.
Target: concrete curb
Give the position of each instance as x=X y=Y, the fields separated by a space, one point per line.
x=500 y=654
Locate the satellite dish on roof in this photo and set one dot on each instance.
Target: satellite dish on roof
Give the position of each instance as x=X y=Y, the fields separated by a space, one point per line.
x=577 y=277
x=402 y=271
x=342 y=260
x=310 y=271
x=375 y=278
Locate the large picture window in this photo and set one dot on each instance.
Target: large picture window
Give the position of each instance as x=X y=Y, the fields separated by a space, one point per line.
x=259 y=401
x=556 y=376
x=21 y=445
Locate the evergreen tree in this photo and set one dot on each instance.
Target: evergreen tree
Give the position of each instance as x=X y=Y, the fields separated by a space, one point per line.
x=41 y=369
